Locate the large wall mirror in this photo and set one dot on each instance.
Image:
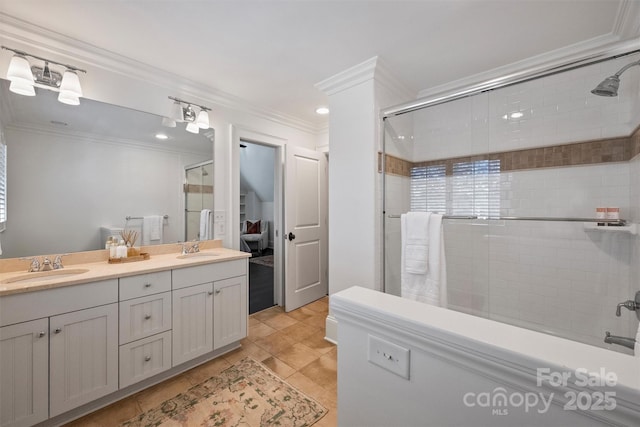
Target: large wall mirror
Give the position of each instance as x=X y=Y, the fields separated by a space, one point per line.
x=73 y=171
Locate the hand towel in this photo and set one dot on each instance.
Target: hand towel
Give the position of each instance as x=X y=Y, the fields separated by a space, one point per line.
x=205 y=224
x=431 y=286
x=636 y=347
x=152 y=229
x=415 y=242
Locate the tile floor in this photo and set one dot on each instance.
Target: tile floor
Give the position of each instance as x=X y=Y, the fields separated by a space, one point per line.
x=290 y=344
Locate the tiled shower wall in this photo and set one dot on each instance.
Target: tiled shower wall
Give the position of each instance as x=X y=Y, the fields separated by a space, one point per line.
x=555 y=277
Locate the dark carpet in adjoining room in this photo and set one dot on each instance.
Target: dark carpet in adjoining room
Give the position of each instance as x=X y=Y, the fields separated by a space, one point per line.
x=260 y=286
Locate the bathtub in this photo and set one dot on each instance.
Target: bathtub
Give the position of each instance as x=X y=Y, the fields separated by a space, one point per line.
x=405 y=363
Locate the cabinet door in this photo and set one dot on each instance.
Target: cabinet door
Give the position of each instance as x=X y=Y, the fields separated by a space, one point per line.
x=24 y=373
x=83 y=357
x=229 y=311
x=192 y=322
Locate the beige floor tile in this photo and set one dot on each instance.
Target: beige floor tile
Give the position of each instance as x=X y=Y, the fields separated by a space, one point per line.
x=280 y=321
x=333 y=353
x=318 y=343
x=207 y=370
x=298 y=355
x=300 y=331
x=320 y=306
x=260 y=331
x=280 y=368
x=308 y=386
x=324 y=372
x=317 y=320
x=268 y=313
x=302 y=314
x=275 y=342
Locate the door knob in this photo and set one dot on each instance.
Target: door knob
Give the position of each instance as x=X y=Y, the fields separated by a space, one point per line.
x=292 y=236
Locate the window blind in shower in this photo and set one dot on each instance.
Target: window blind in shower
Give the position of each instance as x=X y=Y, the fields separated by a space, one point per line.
x=428 y=189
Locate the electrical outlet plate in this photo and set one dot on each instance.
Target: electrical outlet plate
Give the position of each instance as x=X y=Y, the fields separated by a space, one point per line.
x=389 y=356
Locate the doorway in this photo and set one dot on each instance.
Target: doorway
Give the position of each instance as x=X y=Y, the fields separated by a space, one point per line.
x=257 y=213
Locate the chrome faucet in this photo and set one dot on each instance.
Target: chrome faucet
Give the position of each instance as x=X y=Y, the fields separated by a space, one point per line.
x=46 y=264
x=190 y=247
x=57 y=262
x=632 y=305
x=625 y=341
x=35 y=263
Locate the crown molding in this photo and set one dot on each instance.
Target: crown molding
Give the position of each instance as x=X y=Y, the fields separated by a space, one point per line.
x=385 y=76
x=348 y=78
x=60 y=45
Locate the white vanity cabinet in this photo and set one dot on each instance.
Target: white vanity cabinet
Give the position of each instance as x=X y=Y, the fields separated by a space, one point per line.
x=209 y=308
x=145 y=326
x=192 y=322
x=24 y=373
x=229 y=311
x=83 y=357
x=58 y=350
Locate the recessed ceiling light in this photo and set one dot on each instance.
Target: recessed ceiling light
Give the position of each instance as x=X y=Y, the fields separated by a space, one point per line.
x=516 y=115
x=322 y=110
x=161 y=136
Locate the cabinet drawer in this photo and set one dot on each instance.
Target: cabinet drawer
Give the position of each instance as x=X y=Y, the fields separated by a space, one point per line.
x=18 y=308
x=207 y=273
x=144 y=358
x=145 y=284
x=145 y=316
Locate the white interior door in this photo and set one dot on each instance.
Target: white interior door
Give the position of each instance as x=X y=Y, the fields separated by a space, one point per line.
x=305 y=227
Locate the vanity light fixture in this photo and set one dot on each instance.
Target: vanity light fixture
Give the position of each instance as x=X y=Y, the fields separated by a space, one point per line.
x=24 y=77
x=184 y=111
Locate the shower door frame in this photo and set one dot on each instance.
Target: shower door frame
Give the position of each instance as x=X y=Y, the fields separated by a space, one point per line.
x=186 y=212
x=578 y=61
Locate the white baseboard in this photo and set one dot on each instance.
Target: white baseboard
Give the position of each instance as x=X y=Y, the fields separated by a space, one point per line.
x=331 y=329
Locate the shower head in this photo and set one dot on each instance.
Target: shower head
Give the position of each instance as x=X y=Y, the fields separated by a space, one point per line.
x=609 y=86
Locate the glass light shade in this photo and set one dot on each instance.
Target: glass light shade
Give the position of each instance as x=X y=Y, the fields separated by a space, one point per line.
x=176 y=112
x=167 y=122
x=22 y=88
x=192 y=127
x=20 y=70
x=68 y=98
x=70 y=84
x=203 y=120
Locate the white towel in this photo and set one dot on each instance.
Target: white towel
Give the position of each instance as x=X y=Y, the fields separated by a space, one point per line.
x=205 y=224
x=431 y=286
x=415 y=242
x=636 y=348
x=152 y=229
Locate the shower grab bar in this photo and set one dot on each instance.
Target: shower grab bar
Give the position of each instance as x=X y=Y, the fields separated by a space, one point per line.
x=140 y=217
x=530 y=218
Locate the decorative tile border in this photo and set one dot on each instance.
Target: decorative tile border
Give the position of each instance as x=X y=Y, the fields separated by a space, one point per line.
x=579 y=153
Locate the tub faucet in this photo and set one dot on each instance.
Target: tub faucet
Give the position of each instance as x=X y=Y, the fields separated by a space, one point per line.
x=46 y=264
x=632 y=305
x=613 y=339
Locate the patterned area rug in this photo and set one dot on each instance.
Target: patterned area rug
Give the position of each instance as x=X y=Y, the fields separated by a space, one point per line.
x=263 y=260
x=247 y=394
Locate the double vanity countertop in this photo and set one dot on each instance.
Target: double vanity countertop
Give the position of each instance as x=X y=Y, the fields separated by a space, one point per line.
x=83 y=267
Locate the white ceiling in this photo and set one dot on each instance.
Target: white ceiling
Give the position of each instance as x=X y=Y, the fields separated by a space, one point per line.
x=272 y=53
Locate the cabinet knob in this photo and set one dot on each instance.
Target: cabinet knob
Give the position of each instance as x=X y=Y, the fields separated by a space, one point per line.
x=57 y=330
x=218 y=291
x=210 y=293
x=147 y=358
x=41 y=334
x=147 y=317
x=147 y=285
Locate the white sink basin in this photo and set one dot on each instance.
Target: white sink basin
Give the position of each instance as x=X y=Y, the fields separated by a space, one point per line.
x=198 y=255
x=40 y=276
